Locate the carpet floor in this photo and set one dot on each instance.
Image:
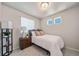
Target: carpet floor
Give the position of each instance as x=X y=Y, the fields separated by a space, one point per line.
x=36 y=51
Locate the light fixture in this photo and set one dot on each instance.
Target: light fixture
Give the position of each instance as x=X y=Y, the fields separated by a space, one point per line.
x=44 y=5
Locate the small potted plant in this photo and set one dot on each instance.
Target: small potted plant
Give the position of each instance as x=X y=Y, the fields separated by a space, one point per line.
x=6 y=33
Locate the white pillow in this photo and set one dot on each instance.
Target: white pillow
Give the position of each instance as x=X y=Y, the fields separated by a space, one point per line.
x=37 y=33
x=42 y=33
x=33 y=33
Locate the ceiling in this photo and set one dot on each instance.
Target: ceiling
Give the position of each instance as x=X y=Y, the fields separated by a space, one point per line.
x=34 y=9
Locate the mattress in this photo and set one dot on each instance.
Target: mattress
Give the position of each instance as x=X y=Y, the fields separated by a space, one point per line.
x=52 y=43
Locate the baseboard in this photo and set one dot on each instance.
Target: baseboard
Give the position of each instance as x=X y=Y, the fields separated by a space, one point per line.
x=16 y=48
x=72 y=49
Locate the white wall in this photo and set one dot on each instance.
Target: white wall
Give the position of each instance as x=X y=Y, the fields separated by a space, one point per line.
x=10 y=14
x=0 y=10
x=0 y=37
x=69 y=29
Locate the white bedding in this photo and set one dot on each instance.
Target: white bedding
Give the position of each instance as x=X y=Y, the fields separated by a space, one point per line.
x=52 y=43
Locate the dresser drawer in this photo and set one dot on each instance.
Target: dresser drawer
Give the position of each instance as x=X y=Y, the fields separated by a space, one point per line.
x=24 y=43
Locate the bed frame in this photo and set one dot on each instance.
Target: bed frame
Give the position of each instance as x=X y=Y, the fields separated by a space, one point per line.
x=30 y=36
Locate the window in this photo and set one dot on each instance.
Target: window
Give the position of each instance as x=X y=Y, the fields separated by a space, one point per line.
x=49 y=21
x=58 y=20
x=27 y=23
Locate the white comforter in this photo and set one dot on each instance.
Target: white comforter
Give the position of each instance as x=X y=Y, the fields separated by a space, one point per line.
x=52 y=43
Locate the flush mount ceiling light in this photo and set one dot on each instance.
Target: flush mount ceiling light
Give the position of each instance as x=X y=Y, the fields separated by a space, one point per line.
x=44 y=5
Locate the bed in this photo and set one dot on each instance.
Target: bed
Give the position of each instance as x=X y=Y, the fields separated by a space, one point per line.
x=51 y=43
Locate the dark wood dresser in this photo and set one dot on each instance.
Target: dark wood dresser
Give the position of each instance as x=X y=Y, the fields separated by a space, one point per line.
x=24 y=43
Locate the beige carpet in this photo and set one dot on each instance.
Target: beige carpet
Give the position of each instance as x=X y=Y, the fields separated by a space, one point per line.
x=30 y=51
x=36 y=51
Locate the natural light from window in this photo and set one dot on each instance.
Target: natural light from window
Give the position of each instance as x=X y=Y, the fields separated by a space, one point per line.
x=27 y=23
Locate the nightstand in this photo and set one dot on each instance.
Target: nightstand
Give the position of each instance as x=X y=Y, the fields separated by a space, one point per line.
x=24 y=42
